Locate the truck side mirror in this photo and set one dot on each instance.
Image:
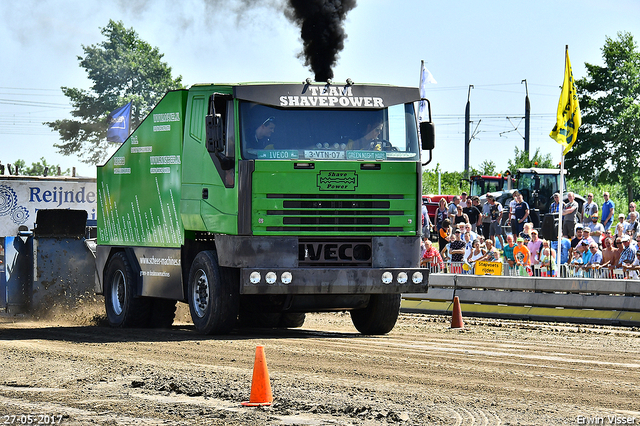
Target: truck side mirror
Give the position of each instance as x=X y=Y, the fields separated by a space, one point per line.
x=428 y=135
x=215 y=142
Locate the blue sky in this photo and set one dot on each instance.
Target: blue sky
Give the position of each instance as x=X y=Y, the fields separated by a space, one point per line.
x=490 y=45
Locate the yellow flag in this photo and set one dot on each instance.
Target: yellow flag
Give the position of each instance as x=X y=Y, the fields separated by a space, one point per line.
x=565 y=131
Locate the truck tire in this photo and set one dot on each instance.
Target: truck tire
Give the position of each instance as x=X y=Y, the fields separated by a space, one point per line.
x=292 y=320
x=163 y=311
x=213 y=301
x=123 y=308
x=380 y=316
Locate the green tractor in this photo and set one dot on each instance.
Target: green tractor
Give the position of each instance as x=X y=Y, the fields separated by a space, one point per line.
x=537 y=187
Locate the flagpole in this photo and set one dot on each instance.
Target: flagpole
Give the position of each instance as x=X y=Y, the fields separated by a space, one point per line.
x=560 y=208
x=561 y=188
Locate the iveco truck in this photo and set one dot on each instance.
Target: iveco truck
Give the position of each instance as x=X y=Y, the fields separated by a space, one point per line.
x=258 y=203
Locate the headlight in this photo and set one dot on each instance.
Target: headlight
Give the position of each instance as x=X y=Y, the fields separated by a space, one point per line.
x=387 y=277
x=402 y=278
x=285 y=277
x=417 y=277
x=254 y=277
x=270 y=278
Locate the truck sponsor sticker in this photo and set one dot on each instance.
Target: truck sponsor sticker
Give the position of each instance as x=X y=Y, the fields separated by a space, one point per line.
x=336 y=180
x=366 y=155
x=331 y=97
x=274 y=154
x=21 y=199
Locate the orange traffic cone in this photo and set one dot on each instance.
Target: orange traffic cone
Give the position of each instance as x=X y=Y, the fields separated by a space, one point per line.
x=456 y=317
x=260 y=385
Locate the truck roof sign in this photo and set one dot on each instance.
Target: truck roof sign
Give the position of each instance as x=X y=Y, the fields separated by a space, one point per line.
x=326 y=96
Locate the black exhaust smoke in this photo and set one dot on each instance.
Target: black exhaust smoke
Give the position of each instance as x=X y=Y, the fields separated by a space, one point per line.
x=321 y=30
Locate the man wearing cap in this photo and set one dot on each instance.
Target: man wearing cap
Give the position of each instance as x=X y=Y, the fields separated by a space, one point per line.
x=589 y=209
x=608 y=209
x=587 y=239
x=628 y=254
x=595 y=259
x=534 y=247
x=521 y=253
x=555 y=204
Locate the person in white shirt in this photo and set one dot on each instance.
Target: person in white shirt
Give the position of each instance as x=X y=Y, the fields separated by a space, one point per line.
x=468 y=229
x=588 y=210
x=597 y=229
x=631 y=225
x=464 y=201
x=468 y=244
x=635 y=267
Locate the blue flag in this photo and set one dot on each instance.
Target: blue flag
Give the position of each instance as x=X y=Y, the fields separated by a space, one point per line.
x=118 y=124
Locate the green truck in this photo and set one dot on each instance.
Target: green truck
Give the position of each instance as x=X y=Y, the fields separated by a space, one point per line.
x=258 y=203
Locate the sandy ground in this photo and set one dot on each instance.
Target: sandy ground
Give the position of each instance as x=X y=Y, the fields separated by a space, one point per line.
x=72 y=368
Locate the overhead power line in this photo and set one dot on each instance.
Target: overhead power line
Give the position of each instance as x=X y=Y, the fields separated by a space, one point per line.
x=34 y=104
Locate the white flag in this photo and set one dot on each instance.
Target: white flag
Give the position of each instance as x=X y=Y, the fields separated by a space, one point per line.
x=425 y=78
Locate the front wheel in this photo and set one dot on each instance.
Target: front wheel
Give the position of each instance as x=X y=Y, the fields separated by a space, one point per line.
x=123 y=309
x=213 y=301
x=380 y=315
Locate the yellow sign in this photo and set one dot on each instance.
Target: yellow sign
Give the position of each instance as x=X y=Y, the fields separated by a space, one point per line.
x=488 y=268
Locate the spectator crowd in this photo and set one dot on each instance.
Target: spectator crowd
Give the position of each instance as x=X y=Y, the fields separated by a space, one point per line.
x=595 y=242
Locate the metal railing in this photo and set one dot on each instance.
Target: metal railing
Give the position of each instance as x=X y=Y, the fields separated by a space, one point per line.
x=565 y=271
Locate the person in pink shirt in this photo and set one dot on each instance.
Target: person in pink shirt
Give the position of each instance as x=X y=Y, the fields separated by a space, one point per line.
x=534 y=247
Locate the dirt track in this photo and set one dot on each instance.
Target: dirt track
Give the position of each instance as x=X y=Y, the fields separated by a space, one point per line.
x=492 y=373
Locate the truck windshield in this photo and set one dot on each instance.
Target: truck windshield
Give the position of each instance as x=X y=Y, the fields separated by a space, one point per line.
x=481 y=186
x=328 y=134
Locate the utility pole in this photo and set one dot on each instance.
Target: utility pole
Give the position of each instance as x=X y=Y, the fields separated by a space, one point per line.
x=527 y=118
x=467 y=132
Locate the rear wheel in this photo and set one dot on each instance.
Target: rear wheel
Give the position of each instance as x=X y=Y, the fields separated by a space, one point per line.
x=380 y=315
x=292 y=320
x=123 y=309
x=213 y=301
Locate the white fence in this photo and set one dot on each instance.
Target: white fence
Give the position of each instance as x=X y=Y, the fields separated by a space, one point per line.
x=566 y=271
x=601 y=296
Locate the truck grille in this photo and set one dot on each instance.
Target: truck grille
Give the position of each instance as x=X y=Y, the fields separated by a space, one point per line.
x=334 y=212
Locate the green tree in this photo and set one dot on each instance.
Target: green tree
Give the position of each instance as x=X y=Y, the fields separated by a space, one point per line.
x=522 y=160
x=608 y=141
x=123 y=69
x=487 y=168
x=616 y=193
x=451 y=183
x=39 y=168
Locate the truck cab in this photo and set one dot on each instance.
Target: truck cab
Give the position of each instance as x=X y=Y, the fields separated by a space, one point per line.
x=258 y=201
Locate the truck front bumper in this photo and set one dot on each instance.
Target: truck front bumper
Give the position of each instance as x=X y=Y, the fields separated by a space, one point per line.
x=333 y=281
